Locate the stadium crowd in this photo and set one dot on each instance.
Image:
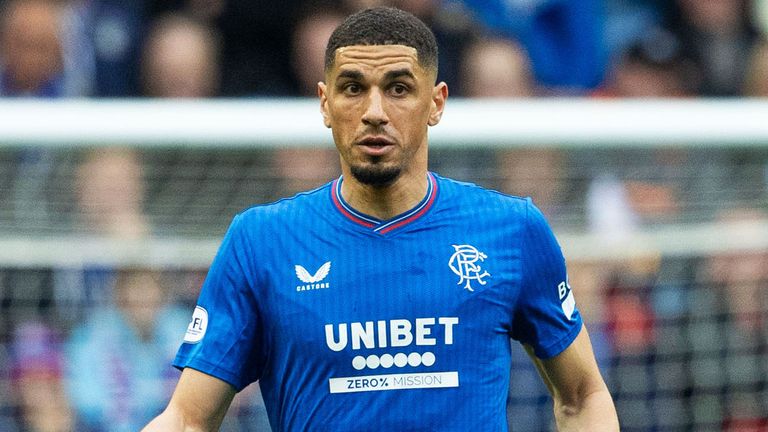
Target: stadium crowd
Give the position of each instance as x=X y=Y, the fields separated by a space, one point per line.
x=240 y=48
x=664 y=327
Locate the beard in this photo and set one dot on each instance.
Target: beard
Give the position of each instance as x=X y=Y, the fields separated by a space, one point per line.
x=375 y=175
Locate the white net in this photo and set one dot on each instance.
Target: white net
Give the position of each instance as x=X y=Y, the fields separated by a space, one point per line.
x=660 y=207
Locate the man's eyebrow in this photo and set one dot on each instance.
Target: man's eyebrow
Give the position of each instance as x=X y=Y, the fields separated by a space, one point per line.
x=351 y=74
x=398 y=73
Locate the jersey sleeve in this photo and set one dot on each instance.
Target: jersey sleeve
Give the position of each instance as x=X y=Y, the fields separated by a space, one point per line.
x=546 y=317
x=223 y=337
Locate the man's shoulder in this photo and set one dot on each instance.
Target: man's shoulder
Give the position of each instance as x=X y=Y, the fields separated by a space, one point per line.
x=466 y=194
x=294 y=206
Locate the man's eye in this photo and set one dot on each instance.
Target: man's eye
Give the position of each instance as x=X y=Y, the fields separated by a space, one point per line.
x=399 y=89
x=352 y=89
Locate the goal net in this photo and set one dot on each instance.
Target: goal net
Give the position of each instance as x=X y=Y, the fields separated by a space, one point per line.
x=661 y=208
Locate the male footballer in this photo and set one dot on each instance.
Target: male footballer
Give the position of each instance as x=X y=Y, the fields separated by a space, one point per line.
x=387 y=299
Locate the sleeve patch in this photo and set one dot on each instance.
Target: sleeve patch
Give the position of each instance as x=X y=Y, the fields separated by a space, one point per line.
x=567 y=301
x=197 y=326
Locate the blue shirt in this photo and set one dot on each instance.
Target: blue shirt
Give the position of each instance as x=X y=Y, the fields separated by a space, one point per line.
x=354 y=323
x=564 y=38
x=116 y=381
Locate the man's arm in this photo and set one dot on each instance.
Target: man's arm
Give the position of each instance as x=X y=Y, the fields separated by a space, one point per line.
x=582 y=400
x=198 y=404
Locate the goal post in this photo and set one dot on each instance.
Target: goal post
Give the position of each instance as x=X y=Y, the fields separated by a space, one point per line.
x=583 y=126
x=297 y=122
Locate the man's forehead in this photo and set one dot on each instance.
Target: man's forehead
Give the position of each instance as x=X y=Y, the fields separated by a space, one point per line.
x=376 y=56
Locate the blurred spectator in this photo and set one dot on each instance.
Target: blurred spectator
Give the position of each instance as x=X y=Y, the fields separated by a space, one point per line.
x=626 y=21
x=496 y=67
x=734 y=297
x=756 y=83
x=31 y=58
x=651 y=67
x=25 y=295
x=37 y=380
x=180 y=59
x=564 y=39
x=310 y=37
x=629 y=312
x=118 y=363
x=126 y=310
x=72 y=48
x=538 y=173
x=453 y=29
x=256 y=42
x=609 y=211
x=622 y=199
x=741 y=276
x=718 y=38
x=500 y=68
x=109 y=189
x=110 y=192
x=301 y=169
x=32 y=64
x=102 y=41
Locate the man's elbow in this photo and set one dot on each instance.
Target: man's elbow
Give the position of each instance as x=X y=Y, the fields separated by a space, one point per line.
x=173 y=420
x=593 y=412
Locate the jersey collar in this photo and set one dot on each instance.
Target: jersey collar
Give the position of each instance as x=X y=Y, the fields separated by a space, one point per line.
x=384 y=226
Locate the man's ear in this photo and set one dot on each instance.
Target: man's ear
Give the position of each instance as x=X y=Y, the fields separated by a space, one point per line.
x=323 y=95
x=439 y=96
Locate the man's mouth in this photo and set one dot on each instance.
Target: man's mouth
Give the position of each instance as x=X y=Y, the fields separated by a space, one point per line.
x=375 y=146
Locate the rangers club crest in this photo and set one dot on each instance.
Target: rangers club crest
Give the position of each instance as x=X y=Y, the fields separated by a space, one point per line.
x=465 y=262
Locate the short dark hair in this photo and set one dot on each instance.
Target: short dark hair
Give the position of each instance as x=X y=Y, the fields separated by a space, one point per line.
x=384 y=26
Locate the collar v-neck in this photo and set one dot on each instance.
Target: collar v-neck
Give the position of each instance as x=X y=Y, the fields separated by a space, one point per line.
x=384 y=226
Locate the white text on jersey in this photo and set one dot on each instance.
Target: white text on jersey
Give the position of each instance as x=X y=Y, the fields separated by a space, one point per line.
x=389 y=333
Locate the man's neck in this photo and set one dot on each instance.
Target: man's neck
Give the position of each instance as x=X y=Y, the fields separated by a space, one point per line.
x=385 y=202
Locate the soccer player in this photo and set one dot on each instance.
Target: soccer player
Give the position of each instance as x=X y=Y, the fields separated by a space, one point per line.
x=386 y=299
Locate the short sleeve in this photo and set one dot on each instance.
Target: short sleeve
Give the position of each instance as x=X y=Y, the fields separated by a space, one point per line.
x=546 y=317
x=223 y=338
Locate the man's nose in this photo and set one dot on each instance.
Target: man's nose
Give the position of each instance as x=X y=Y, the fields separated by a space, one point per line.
x=375 y=115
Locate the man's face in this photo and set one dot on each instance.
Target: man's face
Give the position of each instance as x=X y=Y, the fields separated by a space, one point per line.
x=30 y=45
x=379 y=101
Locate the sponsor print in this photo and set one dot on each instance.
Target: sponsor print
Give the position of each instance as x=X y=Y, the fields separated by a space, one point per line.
x=394 y=382
x=313 y=281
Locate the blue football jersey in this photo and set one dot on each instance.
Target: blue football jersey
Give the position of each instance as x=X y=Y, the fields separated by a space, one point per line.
x=351 y=323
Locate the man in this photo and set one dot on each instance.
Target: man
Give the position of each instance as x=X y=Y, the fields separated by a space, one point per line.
x=31 y=59
x=386 y=299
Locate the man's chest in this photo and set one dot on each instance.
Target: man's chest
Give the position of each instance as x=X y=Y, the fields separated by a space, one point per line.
x=389 y=302
x=368 y=278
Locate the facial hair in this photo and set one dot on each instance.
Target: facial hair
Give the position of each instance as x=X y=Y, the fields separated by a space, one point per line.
x=376 y=176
